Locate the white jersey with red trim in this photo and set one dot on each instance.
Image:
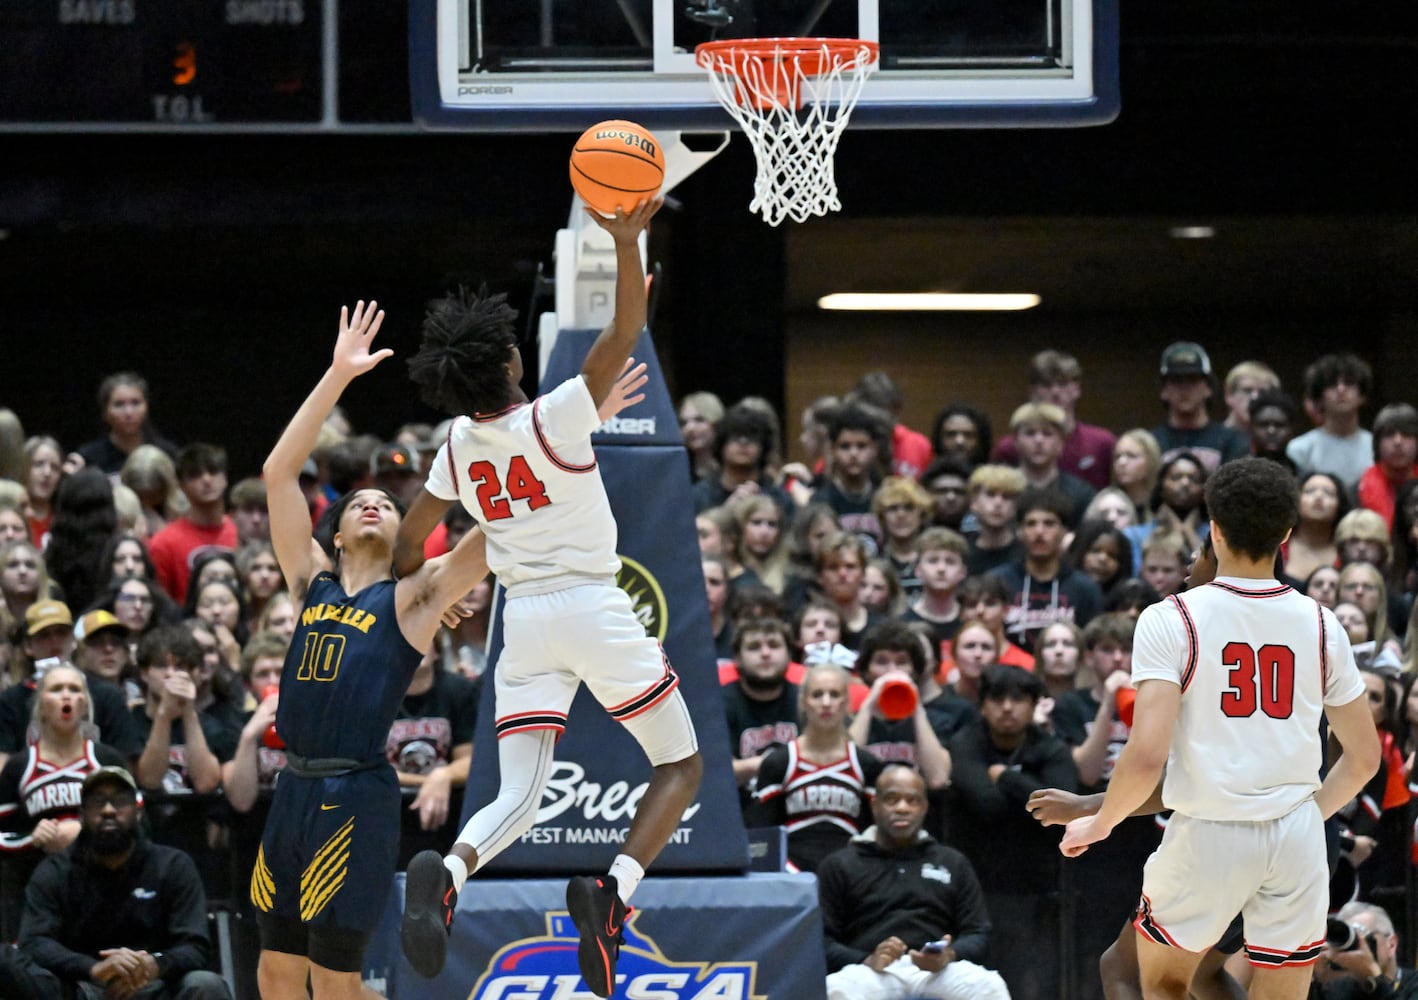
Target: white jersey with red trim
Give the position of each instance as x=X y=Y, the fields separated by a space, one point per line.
x=529 y=476
x=1257 y=662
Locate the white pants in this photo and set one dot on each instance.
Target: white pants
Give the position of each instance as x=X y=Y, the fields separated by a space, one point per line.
x=901 y=979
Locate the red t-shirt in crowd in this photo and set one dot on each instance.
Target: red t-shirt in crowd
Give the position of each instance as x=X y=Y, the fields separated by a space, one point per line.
x=910 y=452
x=1087 y=453
x=178 y=545
x=1379 y=493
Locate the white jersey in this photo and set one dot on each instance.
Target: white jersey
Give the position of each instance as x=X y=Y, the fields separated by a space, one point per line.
x=1256 y=662
x=529 y=476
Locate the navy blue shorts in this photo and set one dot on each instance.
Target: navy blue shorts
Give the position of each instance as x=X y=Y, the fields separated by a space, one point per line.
x=1233 y=937
x=329 y=851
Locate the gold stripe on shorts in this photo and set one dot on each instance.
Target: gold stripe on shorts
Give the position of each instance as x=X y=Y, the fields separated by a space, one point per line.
x=263 y=884
x=326 y=873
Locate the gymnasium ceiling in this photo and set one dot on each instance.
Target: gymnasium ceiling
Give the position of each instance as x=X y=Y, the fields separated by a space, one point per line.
x=1290 y=129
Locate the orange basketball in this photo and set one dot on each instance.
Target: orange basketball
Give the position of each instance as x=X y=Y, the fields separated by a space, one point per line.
x=617 y=163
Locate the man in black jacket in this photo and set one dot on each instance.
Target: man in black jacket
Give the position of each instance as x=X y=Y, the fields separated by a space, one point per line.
x=998 y=761
x=902 y=913
x=117 y=917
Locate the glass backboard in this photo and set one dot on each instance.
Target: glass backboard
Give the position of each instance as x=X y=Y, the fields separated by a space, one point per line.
x=542 y=65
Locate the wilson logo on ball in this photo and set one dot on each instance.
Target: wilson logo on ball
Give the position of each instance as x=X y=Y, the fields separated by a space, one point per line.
x=638 y=140
x=616 y=165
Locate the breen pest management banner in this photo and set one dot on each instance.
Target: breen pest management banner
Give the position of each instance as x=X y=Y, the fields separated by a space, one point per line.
x=600 y=771
x=754 y=937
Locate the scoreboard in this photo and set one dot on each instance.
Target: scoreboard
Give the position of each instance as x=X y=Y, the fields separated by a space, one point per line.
x=163 y=63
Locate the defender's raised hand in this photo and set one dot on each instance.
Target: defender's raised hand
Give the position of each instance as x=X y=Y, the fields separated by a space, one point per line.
x=352 y=355
x=626 y=391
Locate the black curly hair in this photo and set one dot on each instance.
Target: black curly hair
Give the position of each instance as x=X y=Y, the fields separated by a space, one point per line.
x=467 y=339
x=1255 y=502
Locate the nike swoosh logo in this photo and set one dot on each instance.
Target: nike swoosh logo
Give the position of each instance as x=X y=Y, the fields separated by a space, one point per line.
x=325 y=808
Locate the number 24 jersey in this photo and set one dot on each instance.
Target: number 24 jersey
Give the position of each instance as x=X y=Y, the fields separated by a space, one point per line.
x=529 y=476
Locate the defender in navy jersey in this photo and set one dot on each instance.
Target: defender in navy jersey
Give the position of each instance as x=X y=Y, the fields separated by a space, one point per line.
x=528 y=472
x=327 y=857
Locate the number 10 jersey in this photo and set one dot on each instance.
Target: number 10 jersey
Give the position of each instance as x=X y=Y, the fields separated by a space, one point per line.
x=1256 y=662
x=529 y=476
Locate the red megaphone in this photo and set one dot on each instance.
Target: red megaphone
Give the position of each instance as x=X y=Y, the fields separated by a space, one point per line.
x=270 y=737
x=1126 y=699
x=898 y=698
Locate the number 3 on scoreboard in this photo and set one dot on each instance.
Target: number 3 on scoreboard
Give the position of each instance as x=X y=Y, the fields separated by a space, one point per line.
x=522 y=484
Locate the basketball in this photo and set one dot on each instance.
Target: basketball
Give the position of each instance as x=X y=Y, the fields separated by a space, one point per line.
x=617 y=164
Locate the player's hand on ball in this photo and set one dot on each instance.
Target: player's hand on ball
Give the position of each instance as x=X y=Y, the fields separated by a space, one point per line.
x=627 y=225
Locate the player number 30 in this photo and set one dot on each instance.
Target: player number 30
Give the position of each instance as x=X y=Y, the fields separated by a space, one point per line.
x=1263 y=678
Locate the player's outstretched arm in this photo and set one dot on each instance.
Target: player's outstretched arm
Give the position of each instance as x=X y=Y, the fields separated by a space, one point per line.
x=1353 y=726
x=1139 y=766
x=291 y=536
x=1056 y=807
x=423 y=597
x=423 y=516
x=606 y=359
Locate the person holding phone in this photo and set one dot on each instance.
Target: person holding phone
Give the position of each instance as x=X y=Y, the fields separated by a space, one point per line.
x=902 y=914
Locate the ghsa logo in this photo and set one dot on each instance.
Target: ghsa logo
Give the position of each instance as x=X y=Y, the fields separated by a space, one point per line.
x=545 y=969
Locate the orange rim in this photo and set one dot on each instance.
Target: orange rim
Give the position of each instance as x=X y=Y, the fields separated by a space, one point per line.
x=814 y=56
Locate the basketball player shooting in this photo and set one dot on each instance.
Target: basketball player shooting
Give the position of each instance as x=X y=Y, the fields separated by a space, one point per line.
x=527 y=472
x=1232 y=679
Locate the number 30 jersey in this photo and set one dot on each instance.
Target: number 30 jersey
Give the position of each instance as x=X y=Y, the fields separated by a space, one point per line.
x=529 y=476
x=1256 y=662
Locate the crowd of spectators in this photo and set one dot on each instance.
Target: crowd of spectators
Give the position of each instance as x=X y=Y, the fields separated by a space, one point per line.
x=1003 y=578
x=999 y=578
x=144 y=623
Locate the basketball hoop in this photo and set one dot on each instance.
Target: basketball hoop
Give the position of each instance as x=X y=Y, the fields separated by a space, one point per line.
x=793 y=97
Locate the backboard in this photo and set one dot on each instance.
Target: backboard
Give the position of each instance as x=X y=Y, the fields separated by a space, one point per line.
x=547 y=65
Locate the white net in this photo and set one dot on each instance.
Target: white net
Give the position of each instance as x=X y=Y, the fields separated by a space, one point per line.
x=793 y=98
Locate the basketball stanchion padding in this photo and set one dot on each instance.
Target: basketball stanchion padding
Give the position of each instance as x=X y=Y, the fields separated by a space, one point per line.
x=793 y=97
x=617 y=164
